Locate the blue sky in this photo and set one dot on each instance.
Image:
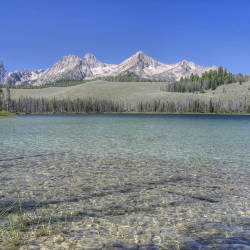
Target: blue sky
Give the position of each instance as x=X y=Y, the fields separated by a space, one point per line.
x=35 y=34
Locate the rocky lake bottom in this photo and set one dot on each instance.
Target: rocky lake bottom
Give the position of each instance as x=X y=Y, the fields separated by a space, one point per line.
x=155 y=197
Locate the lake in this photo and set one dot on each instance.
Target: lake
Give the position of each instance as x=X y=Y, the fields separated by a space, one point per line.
x=132 y=181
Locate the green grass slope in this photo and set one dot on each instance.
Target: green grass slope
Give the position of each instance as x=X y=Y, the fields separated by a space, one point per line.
x=5 y=114
x=132 y=92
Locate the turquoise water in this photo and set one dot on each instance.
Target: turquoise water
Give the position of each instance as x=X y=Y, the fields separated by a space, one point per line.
x=185 y=137
x=178 y=172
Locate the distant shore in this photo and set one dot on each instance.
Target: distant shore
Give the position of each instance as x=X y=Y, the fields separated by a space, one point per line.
x=6 y=114
x=132 y=113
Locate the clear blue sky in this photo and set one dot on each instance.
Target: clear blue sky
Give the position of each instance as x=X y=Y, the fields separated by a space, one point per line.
x=37 y=33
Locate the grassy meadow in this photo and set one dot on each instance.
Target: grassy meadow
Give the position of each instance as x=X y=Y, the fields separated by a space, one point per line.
x=5 y=114
x=132 y=92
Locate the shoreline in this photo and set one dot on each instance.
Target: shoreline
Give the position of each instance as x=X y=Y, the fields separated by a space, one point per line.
x=5 y=114
x=132 y=113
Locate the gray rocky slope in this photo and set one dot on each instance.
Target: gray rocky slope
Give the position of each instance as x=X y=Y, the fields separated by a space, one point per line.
x=72 y=67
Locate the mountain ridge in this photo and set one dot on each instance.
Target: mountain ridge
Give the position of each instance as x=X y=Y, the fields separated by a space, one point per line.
x=72 y=67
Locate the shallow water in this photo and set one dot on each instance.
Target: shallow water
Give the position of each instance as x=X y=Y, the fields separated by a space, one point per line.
x=134 y=181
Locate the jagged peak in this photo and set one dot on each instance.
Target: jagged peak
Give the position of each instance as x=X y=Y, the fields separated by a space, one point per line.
x=184 y=61
x=92 y=61
x=89 y=56
x=70 y=57
x=140 y=53
x=89 y=66
x=139 y=56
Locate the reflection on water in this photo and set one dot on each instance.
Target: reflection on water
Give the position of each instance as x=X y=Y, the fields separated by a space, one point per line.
x=133 y=181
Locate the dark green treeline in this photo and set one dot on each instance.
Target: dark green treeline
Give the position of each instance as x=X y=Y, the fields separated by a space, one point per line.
x=43 y=105
x=208 y=80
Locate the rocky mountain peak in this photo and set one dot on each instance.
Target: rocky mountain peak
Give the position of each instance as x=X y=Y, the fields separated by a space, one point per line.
x=184 y=62
x=92 y=61
x=140 y=54
x=184 y=65
x=142 y=65
x=140 y=59
x=70 y=58
x=89 y=56
x=89 y=67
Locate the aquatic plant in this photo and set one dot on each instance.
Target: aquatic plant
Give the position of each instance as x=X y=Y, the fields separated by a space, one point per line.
x=16 y=225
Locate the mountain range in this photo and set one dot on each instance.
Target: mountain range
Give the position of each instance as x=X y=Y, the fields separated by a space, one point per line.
x=72 y=67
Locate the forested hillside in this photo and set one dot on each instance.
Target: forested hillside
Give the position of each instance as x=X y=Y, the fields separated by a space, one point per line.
x=208 y=80
x=103 y=96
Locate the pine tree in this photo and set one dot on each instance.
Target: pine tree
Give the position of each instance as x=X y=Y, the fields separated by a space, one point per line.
x=8 y=99
x=211 y=107
x=1 y=99
x=213 y=86
x=2 y=72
